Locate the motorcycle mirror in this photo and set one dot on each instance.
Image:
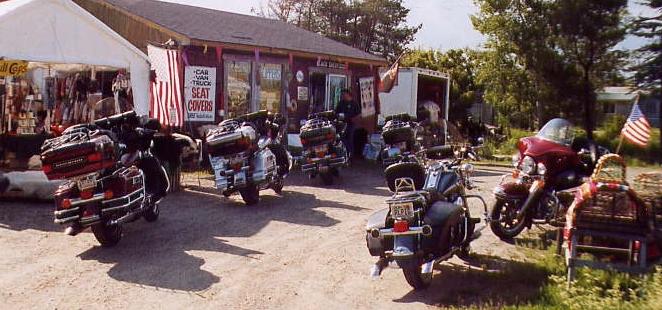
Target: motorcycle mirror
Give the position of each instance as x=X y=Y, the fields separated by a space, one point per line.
x=467 y=169
x=341 y=116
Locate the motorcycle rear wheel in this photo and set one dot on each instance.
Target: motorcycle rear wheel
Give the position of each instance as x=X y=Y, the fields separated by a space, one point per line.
x=327 y=178
x=415 y=278
x=107 y=235
x=278 y=186
x=499 y=228
x=152 y=214
x=250 y=194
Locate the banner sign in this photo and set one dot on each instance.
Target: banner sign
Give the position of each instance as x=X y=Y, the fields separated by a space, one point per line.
x=367 y=96
x=13 y=67
x=200 y=94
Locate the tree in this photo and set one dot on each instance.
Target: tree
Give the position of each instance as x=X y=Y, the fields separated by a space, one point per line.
x=375 y=26
x=586 y=33
x=648 y=73
x=566 y=48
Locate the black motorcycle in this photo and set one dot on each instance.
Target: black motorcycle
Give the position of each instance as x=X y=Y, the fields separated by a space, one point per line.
x=427 y=220
x=323 y=150
x=111 y=176
x=399 y=134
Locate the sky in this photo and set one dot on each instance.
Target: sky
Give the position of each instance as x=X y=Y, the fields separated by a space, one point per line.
x=446 y=23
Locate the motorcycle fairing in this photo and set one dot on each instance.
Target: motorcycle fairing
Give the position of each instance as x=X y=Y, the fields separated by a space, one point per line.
x=536 y=146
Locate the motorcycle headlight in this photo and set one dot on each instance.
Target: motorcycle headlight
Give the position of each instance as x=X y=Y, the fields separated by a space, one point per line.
x=542 y=169
x=528 y=165
x=516 y=159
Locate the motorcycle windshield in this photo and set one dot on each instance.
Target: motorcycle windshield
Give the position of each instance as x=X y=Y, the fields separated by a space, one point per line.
x=557 y=130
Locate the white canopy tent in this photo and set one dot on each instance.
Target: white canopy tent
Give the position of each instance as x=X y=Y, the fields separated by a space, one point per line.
x=61 y=32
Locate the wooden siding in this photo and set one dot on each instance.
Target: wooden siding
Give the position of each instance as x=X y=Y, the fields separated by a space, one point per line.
x=137 y=30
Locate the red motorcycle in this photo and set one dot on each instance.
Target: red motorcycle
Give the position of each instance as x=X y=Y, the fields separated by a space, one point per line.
x=547 y=165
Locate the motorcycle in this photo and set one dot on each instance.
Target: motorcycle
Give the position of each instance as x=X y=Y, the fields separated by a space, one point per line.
x=546 y=166
x=111 y=176
x=427 y=220
x=399 y=134
x=247 y=156
x=323 y=150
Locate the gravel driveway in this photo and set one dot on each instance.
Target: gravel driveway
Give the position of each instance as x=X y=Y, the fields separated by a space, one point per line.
x=302 y=250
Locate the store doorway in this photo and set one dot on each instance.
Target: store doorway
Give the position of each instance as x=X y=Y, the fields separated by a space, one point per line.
x=317 y=92
x=325 y=90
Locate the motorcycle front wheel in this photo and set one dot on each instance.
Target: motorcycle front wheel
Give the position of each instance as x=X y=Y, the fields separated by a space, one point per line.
x=504 y=223
x=250 y=194
x=107 y=235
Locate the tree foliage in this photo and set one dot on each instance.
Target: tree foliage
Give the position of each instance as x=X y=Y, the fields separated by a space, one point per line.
x=549 y=57
x=648 y=72
x=375 y=26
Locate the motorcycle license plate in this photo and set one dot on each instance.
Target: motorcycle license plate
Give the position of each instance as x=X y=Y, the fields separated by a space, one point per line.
x=402 y=210
x=240 y=178
x=87 y=182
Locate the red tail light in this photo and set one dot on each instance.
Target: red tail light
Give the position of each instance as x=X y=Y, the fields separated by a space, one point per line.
x=94 y=157
x=108 y=195
x=47 y=168
x=86 y=194
x=66 y=204
x=401 y=226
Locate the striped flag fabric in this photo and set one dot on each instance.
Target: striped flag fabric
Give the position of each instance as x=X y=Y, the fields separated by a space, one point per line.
x=166 y=90
x=637 y=129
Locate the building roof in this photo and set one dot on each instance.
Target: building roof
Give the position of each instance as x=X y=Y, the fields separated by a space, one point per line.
x=210 y=25
x=613 y=93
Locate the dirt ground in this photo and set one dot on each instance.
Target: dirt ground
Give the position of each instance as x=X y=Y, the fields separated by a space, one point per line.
x=302 y=250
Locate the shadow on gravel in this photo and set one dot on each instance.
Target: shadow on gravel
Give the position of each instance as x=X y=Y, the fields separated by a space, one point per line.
x=158 y=254
x=27 y=214
x=485 y=282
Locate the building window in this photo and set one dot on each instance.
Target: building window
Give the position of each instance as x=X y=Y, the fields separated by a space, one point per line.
x=237 y=88
x=270 y=87
x=609 y=108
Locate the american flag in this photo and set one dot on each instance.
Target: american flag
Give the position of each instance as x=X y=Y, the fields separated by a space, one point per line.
x=166 y=97
x=637 y=129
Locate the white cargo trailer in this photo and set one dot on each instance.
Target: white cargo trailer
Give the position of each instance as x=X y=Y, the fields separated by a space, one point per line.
x=412 y=87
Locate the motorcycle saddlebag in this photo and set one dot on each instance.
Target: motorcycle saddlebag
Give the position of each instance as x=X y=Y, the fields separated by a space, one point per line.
x=396 y=132
x=224 y=143
x=70 y=159
x=317 y=135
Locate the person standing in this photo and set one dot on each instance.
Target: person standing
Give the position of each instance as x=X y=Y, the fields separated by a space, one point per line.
x=351 y=109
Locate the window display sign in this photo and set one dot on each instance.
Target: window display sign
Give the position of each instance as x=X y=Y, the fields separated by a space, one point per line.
x=367 y=96
x=200 y=94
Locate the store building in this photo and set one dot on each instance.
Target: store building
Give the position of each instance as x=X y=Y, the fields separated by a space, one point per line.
x=72 y=68
x=252 y=63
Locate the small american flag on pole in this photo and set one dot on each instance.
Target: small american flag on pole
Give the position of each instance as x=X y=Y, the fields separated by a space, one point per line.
x=166 y=97
x=637 y=129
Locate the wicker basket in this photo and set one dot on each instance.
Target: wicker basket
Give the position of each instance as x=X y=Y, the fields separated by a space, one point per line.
x=610 y=169
x=614 y=206
x=649 y=188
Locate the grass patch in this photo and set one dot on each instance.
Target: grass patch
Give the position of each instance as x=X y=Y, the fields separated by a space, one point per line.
x=593 y=289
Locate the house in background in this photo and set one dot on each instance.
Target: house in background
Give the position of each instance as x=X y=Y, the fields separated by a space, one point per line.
x=619 y=100
x=257 y=63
